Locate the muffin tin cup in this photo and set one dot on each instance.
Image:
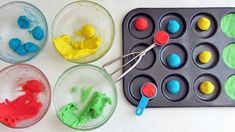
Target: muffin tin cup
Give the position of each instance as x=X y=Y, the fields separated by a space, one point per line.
x=204 y=34
x=173 y=16
x=141 y=34
x=176 y=49
x=214 y=81
x=183 y=92
x=136 y=84
x=205 y=47
x=149 y=58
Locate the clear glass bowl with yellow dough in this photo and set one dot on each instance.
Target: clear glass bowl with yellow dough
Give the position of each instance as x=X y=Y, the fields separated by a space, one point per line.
x=72 y=18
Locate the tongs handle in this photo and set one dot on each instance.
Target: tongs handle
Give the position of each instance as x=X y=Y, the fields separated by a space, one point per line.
x=118 y=69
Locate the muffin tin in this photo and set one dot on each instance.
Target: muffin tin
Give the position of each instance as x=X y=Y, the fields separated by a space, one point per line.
x=188 y=42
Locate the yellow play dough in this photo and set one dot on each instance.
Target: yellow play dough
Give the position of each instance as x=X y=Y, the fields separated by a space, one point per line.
x=87 y=31
x=204 y=23
x=205 y=57
x=70 y=49
x=92 y=43
x=207 y=87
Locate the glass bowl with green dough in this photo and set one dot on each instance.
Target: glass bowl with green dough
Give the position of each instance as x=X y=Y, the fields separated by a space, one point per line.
x=93 y=22
x=85 y=97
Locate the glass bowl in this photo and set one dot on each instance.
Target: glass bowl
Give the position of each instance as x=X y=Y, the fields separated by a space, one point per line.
x=73 y=16
x=9 y=29
x=81 y=76
x=10 y=79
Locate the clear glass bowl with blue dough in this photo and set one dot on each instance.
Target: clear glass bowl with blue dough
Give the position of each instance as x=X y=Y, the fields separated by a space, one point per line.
x=10 y=28
x=80 y=77
x=74 y=15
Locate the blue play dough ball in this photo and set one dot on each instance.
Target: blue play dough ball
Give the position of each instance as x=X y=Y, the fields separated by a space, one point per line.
x=173 y=26
x=21 y=51
x=173 y=60
x=14 y=43
x=23 y=22
x=38 y=33
x=31 y=47
x=173 y=86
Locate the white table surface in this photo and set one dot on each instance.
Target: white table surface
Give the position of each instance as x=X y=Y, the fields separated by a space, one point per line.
x=153 y=120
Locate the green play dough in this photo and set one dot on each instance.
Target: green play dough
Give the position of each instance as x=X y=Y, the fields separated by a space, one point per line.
x=228 y=24
x=74 y=89
x=70 y=115
x=85 y=93
x=229 y=55
x=230 y=87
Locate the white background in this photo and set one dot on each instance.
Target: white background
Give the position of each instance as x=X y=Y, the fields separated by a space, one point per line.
x=157 y=120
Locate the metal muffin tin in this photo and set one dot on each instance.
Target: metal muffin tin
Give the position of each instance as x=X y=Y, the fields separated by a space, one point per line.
x=188 y=42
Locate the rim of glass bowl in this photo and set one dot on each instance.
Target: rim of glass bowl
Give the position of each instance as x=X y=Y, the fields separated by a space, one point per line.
x=107 y=76
x=49 y=88
x=92 y=3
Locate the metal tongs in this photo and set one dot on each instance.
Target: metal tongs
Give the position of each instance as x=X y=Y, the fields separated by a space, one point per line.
x=160 y=38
